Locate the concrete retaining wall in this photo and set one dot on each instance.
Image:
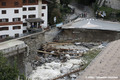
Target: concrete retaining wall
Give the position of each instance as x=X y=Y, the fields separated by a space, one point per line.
x=87 y=35
x=19 y=59
x=34 y=41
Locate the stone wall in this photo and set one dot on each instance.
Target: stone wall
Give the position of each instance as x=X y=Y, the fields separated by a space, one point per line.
x=115 y=4
x=87 y=35
x=18 y=59
x=34 y=41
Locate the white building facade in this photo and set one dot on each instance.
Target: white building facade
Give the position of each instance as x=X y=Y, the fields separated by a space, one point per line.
x=16 y=16
x=44 y=15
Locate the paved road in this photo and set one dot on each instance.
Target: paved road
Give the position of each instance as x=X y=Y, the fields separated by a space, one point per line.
x=82 y=9
x=93 y=24
x=79 y=9
x=106 y=66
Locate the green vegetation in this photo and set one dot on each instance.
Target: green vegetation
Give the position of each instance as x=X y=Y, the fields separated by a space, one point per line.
x=7 y=72
x=89 y=56
x=111 y=14
x=58 y=10
x=65 y=2
x=95 y=6
x=86 y=2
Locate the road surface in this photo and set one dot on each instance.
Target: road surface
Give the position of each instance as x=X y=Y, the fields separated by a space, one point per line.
x=93 y=24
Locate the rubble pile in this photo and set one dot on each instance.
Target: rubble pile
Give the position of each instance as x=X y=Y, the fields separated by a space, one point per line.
x=57 y=59
x=48 y=71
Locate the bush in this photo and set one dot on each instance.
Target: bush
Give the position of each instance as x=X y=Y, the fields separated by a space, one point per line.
x=110 y=13
x=7 y=72
x=89 y=56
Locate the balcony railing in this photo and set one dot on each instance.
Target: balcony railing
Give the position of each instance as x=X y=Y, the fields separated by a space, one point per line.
x=10 y=23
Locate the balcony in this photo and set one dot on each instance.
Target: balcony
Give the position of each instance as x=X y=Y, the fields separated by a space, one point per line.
x=10 y=23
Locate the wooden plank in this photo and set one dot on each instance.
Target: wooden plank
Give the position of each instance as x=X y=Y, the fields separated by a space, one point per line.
x=77 y=70
x=46 y=52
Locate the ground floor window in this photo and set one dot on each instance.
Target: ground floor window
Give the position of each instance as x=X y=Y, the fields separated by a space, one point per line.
x=16 y=35
x=24 y=31
x=24 y=24
x=3 y=36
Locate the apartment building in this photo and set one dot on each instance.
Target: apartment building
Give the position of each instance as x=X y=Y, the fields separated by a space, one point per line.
x=17 y=16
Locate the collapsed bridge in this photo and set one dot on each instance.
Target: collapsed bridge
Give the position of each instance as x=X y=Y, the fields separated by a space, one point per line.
x=90 y=30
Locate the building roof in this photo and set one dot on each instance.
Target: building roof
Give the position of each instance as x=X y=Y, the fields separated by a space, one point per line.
x=34 y=20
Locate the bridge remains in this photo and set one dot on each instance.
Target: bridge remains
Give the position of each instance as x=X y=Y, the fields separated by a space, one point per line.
x=89 y=30
x=25 y=48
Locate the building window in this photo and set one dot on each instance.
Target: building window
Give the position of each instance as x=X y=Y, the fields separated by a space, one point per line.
x=43 y=7
x=24 y=9
x=24 y=24
x=42 y=14
x=16 y=35
x=4 y=36
x=4 y=20
x=16 y=27
x=31 y=1
x=16 y=19
x=16 y=3
x=42 y=22
x=31 y=8
x=16 y=11
x=3 y=3
x=24 y=16
x=24 y=31
x=32 y=16
x=24 y=1
x=3 y=11
x=4 y=28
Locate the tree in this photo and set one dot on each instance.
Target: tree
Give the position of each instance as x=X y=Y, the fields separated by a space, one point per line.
x=57 y=10
x=7 y=72
x=86 y=2
x=65 y=2
x=54 y=11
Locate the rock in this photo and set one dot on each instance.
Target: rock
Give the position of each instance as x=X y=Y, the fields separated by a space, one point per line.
x=75 y=61
x=53 y=65
x=101 y=46
x=75 y=67
x=73 y=76
x=67 y=65
x=77 y=43
x=64 y=70
x=67 y=56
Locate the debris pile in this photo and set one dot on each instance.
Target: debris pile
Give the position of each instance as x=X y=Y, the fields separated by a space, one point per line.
x=58 y=59
x=48 y=71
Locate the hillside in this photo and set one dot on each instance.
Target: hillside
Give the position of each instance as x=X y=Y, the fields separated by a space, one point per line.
x=115 y=4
